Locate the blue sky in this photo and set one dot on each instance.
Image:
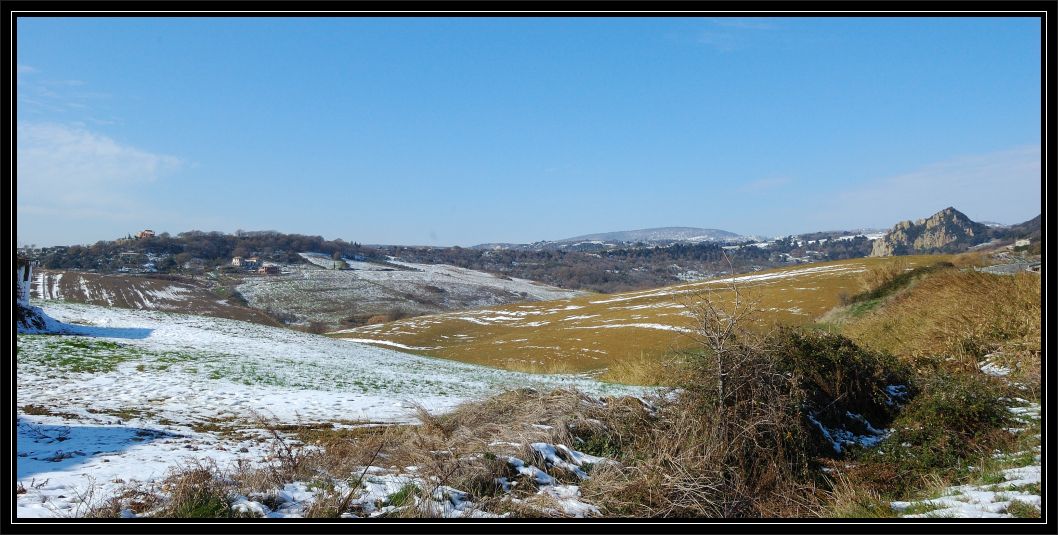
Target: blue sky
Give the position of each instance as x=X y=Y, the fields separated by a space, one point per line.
x=458 y=132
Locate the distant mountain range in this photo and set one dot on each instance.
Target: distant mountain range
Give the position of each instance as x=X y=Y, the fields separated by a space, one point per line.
x=661 y=234
x=649 y=236
x=948 y=230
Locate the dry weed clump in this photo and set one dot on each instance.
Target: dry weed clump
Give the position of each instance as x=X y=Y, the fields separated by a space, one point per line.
x=644 y=370
x=882 y=274
x=736 y=441
x=733 y=443
x=746 y=454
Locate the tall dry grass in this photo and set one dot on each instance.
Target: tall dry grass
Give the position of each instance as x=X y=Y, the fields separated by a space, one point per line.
x=961 y=315
x=644 y=370
x=880 y=275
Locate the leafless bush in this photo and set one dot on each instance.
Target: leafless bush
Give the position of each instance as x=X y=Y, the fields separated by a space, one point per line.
x=732 y=444
x=281 y=316
x=727 y=343
x=316 y=327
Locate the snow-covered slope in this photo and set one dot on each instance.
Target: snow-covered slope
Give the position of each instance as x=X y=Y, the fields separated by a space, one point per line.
x=185 y=367
x=311 y=294
x=131 y=393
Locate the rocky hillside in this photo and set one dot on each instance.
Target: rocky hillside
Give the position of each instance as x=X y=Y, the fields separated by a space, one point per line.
x=1029 y=230
x=948 y=230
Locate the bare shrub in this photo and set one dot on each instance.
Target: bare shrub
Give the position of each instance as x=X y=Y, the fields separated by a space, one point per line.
x=733 y=442
x=314 y=327
x=282 y=316
x=378 y=318
x=393 y=314
x=726 y=344
x=197 y=490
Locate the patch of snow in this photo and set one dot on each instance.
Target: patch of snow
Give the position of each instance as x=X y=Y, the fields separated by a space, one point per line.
x=657 y=326
x=385 y=343
x=537 y=475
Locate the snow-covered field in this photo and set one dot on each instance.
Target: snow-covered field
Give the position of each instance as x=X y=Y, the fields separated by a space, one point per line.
x=128 y=394
x=313 y=294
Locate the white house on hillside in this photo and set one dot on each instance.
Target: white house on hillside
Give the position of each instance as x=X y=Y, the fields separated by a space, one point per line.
x=246 y=263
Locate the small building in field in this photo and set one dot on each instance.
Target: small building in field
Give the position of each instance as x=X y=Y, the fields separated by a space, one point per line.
x=1021 y=243
x=246 y=263
x=268 y=270
x=147 y=233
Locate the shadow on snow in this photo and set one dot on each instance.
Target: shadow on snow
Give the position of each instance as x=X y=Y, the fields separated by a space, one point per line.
x=49 y=448
x=138 y=333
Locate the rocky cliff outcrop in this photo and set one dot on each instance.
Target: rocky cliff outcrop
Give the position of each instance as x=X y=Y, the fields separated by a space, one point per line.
x=945 y=231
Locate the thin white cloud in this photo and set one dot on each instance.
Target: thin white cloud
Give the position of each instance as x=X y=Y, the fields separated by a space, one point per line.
x=70 y=169
x=63 y=83
x=744 y=24
x=722 y=41
x=730 y=34
x=40 y=95
x=1000 y=186
x=765 y=184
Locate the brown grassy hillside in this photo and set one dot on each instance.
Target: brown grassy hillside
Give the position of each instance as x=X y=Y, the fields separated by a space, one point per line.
x=597 y=332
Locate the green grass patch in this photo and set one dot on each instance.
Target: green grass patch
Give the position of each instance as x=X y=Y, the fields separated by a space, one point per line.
x=992 y=478
x=920 y=508
x=860 y=308
x=1020 y=509
x=404 y=496
x=83 y=355
x=76 y=354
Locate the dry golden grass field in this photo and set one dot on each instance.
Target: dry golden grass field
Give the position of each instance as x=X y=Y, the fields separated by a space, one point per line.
x=618 y=333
